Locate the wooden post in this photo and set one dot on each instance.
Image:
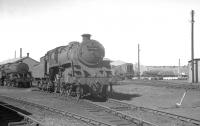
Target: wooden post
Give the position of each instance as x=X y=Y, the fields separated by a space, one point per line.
x=138 y=61
x=192 y=44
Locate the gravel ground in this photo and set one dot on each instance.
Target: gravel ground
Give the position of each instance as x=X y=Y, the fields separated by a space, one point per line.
x=61 y=103
x=48 y=118
x=161 y=98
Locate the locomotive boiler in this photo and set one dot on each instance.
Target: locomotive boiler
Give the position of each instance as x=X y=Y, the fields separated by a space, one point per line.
x=16 y=74
x=78 y=68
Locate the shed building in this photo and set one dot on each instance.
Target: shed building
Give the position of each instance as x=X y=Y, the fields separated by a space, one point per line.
x=38 y=69
x=28 y=60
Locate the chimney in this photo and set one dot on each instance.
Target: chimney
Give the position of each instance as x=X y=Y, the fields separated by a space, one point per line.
x=20 y=52
x=27 y=54
x=15 y=54
x=86 y=37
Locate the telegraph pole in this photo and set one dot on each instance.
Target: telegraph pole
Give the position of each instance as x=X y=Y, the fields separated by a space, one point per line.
x=192 y=44
x=138 y=61
x=179 y=65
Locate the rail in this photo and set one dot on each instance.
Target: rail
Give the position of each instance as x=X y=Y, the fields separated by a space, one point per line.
x=64 y=113
x=28 y=119
x=175 y=116
x=137 y=121
x=134 y=120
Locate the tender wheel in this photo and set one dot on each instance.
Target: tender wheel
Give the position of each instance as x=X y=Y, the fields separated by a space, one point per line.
x=55 y=89
x=68 y=90
x=104 y=93
x=79 y=92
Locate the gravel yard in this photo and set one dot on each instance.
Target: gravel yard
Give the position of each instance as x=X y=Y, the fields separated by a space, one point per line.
x=161 y=98
x=61 y=103
x=48 y=118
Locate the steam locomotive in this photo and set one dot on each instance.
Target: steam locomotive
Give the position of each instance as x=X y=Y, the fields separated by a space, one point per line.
x=78 y=69
x=15 y=74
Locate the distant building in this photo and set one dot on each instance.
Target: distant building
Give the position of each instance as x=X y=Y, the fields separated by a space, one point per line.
x=38 y=69
x=28 y=60
x=183 y=70
x=196 y=71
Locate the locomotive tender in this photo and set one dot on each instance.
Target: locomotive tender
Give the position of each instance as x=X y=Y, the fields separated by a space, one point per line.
x=123 y=71
x=15 y=74
x=78 y=68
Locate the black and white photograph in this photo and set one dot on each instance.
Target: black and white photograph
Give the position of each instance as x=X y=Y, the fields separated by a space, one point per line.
x=99 y=63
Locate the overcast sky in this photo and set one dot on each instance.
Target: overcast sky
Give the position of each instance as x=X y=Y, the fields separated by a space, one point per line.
x=161 y=27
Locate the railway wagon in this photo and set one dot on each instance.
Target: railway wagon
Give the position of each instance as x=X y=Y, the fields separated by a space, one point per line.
x=123 y=71
x=78 y=68
x=15 y=74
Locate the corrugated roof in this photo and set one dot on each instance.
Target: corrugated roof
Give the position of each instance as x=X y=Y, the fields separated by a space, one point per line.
x=11 y=60
x=117 y=63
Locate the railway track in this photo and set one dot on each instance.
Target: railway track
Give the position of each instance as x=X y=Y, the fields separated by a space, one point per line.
x=15 y=117
x=83 y=119
x=139 y=115
x=114 y=117
x=113 y=112
x=104 y=116
x=153 y=116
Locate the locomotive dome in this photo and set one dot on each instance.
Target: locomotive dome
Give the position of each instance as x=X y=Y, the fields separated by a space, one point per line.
x=91 y=52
